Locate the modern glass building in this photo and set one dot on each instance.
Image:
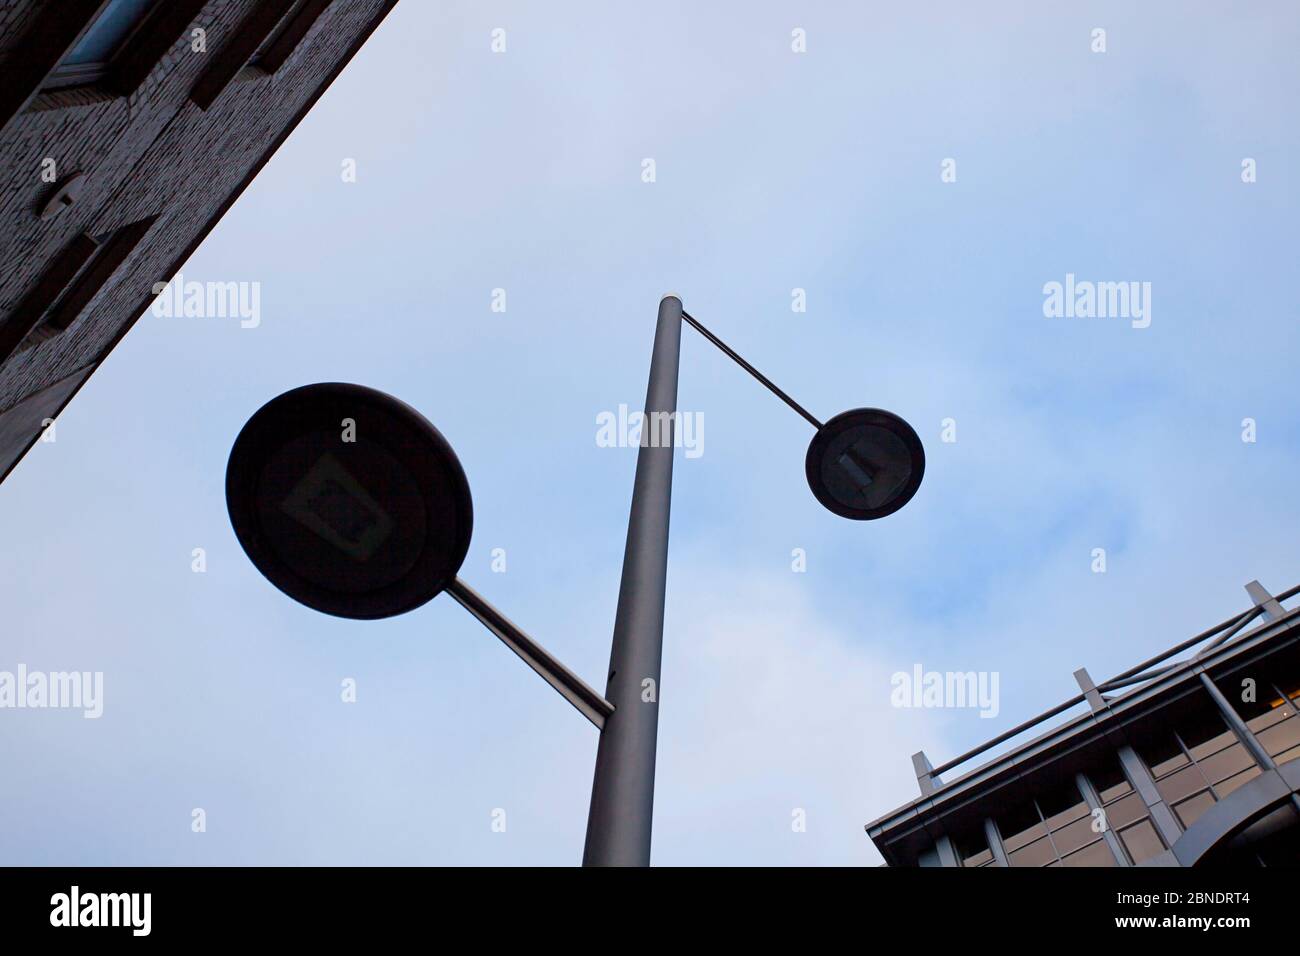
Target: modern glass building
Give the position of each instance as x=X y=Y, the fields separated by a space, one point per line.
x=1186 y=759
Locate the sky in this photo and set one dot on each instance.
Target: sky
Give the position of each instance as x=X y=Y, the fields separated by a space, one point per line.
x=825 y=171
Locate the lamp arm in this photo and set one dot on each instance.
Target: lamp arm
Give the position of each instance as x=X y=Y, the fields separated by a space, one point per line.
x=570 y=686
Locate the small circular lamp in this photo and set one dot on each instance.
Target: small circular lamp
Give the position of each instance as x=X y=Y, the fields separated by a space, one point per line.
x=865 y=463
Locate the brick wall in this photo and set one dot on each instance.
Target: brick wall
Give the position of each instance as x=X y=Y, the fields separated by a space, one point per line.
x=153 y=153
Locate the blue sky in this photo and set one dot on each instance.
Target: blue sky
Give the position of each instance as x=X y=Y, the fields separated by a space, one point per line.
x=774 y=171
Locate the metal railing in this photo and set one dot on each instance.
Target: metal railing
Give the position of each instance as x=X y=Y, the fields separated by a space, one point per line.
x=1269 y=605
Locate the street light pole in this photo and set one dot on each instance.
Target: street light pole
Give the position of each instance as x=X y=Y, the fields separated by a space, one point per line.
x=622 y=792
x=376 y=527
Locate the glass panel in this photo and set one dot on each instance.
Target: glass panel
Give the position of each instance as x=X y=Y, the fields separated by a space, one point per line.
x=1074 y=835
x=1181 y=784
x=1020 y=826
x=1226 y=762
x=1269 y=718
x=1203 y=731
x=1232 y=783
x=1281 y=736
x=1213 y=745
x=1098 y=854
x=1112 y=793
x=1124 y=811
x=1061 y=803
x=108 y=32
x=1036 y=854
x=1164 y=757
x=972 y=847
x=1286 y=755
x=1189 y=810
x=1141 y=841
x=1261 y=681
x=1066 y=816
x=1110 y=782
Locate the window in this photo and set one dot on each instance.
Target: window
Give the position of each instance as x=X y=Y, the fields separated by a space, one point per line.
x=264 y=42
x=85 y=51
x=88 y=62
x=1024 y=836
x=1055 y=829
x=277 y=48
x=1077 y=837
x=973 y=847
x=1096 y=853
x=1141 y=841
x=73 y=279
x=1125 y=812
x=1278 y=728
x=1200 y=761
x=1190 y=809
x=1272 y=714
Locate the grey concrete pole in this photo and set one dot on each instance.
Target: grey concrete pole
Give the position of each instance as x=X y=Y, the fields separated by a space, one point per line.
x=622 y=792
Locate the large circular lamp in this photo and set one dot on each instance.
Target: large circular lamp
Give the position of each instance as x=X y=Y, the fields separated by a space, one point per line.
x=349 y=501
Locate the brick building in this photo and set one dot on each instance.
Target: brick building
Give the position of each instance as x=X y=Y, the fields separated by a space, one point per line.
x=127 y=129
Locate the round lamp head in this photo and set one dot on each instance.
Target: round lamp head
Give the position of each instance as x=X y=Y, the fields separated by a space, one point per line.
x=865 y=463
x=349 y=501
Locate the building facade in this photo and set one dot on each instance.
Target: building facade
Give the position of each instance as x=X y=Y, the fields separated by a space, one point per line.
x=127 y=129
x=1189 y=758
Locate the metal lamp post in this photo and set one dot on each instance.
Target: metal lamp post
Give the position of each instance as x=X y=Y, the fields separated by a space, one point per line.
x=623 y=790
x=352 y=503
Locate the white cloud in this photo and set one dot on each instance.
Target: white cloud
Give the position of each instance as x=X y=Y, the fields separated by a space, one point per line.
x=769 y=707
